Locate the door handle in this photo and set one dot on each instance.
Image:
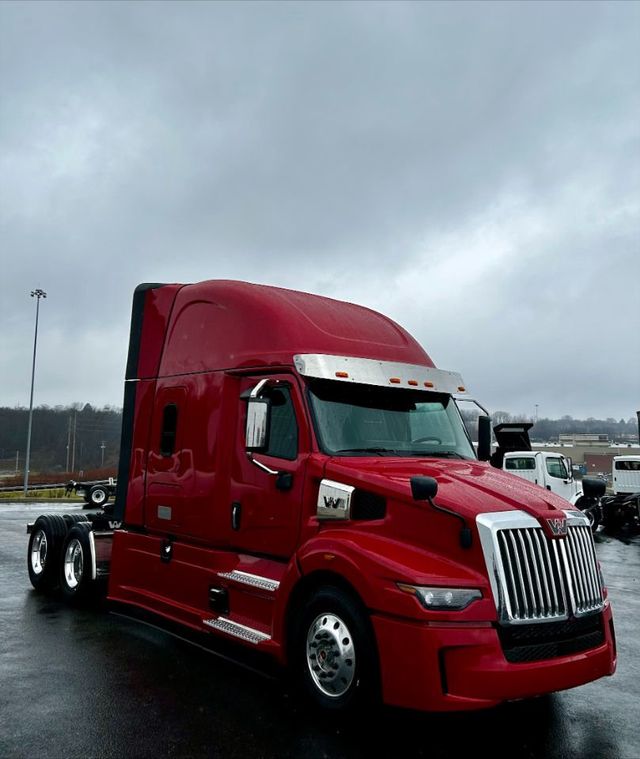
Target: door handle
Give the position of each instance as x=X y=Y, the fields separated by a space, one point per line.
x=236 y=513
x=166 y=550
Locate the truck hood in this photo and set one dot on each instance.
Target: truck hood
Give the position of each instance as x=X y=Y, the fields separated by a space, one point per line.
x=467 y=487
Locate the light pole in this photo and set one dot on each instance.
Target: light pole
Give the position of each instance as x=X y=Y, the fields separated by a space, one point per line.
x=37 y=294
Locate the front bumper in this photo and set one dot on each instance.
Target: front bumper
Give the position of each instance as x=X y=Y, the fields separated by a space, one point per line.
x=448 y=666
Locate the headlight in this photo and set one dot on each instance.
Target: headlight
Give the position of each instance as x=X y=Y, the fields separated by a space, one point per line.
x=442 y=599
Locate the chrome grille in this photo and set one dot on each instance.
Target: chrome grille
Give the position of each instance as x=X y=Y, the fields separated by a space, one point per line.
x=533 y=575
x=582 y=568
x=538 y=579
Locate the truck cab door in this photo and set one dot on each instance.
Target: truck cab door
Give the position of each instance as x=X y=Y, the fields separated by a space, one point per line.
x=267 y=487
x=557 y=477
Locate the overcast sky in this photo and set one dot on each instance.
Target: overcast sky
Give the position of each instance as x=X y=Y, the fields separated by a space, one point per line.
x=471 y=170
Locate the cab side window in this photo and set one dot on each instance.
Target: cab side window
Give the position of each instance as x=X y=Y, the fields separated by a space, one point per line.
x=523 y=463
x=556 y=468
x=168 y=431
x=283 y=431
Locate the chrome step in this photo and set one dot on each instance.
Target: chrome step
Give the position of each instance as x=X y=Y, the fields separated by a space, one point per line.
x=243 y=632
x=255 y=581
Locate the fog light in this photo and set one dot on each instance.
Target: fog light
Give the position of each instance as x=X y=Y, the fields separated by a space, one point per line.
x=441 y=599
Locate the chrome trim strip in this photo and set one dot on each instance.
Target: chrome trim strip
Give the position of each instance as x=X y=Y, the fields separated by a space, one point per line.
x=262 y=466
x=368 y=371
x=92 y=543
x=255 y=581
x=237 y=630
x=256 y=390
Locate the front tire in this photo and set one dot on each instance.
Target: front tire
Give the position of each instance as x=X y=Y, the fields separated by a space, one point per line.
x=336 y=659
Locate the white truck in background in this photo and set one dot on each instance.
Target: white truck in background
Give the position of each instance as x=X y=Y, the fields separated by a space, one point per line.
x=625 y=475
x=551 y=471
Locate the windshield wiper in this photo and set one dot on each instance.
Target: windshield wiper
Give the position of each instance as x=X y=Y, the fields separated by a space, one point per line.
x=379 y=451
x=439 y=454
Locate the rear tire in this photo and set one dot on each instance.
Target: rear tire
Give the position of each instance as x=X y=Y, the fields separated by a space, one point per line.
x=45 y=543
x=335 y=658
x=72 y=519
x=75 y=565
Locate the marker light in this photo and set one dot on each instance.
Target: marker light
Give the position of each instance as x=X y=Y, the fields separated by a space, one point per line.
x=442 y=599
x=461 y=388
x=413 y=382
x=395 y=380
x=428 y=384
x=342 y=375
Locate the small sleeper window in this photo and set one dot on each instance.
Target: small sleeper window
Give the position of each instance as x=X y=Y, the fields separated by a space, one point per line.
x=168 y=432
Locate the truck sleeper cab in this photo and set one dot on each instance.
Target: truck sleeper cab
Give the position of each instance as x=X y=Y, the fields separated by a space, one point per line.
x=295 y=475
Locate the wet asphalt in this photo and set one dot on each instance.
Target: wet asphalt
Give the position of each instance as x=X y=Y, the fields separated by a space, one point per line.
x=92 y=683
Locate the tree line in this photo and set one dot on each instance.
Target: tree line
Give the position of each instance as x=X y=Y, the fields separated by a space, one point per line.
x=76 y=438
x=64 y=439
x=549 y=430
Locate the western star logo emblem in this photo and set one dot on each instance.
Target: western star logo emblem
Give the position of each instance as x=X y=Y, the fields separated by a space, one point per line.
x=558 y=526
x=334 y=500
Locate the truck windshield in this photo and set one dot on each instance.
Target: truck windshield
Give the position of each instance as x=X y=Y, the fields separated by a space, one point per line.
x=360 y=420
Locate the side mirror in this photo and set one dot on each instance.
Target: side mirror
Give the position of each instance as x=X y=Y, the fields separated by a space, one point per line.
x=484 y=438
x=257 y=429
x=423 y=488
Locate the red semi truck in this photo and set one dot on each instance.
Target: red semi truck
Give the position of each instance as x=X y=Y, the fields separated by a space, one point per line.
x=295 y=475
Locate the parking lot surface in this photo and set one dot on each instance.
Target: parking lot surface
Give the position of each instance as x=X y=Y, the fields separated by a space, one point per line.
x=85 y=683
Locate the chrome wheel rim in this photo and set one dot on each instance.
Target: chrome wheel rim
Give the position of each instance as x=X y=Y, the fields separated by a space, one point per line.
x=73 y=563
x=331 y=655
x=98 y=497
x=39 y=552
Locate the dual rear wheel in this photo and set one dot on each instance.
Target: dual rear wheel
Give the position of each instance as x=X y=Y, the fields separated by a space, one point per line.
x=59 y=556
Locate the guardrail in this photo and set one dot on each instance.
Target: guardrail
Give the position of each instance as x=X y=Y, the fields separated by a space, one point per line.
x=50 y=486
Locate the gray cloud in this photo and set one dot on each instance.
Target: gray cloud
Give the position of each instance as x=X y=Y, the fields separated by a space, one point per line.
x=471 y=169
